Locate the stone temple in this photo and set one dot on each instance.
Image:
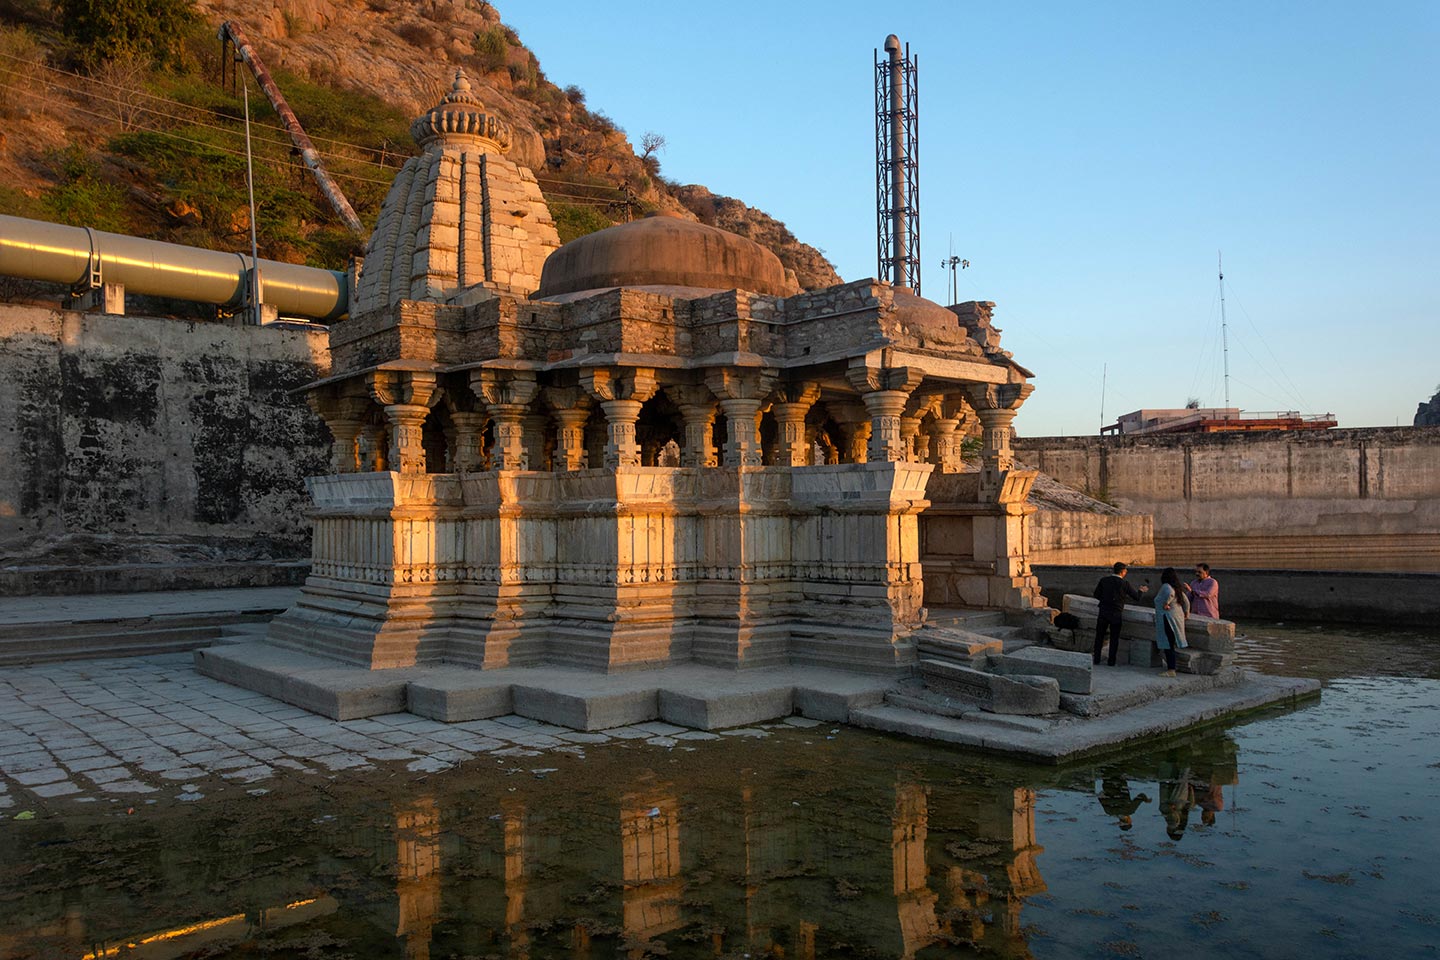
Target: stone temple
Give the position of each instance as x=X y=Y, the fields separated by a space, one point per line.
x=557 y=466
x=648 y=446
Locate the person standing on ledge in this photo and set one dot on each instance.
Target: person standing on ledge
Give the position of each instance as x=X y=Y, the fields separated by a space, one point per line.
x=1112 y=591
x=1204 y=593
x=1171 y=609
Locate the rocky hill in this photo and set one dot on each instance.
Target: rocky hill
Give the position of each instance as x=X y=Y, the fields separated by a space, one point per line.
x=1427 y=414
x=152 y=148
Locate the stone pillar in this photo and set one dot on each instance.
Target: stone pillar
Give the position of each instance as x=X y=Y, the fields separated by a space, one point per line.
x=407 y=397
x=570 y=409
x=910 y=439
x=697 y=412
x=406 y=453
x=345 y=451
x=854 y=423
x=742 y=438
x=621 y=450
x=996 y=405
x=794 y=440
x=944 y=446
x=372 y=448
x=533 y=426
x=622 y=391
x=885 y=392
x=466 y=456
x=507 y=395
x=945 y=438
x=741 y=392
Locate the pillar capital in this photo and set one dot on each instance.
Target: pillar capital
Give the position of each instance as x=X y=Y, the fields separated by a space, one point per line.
x=619 y=383
x=419 y=388
x=495 y=386
x=869 y=379
x=741 y=383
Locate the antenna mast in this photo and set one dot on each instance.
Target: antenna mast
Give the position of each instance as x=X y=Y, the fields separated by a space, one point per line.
x=1224 y=328
x=897 y=174
x=1104 y=376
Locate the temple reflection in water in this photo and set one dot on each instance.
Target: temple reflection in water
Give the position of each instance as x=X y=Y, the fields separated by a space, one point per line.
x=794 y=864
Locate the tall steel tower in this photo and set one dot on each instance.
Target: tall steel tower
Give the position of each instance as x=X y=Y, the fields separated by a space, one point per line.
x=897 y=169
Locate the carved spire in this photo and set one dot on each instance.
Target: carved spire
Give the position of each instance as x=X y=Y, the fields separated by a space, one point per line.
x=460 y=117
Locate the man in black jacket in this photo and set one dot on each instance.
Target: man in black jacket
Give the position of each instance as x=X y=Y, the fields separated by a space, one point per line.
x=1112 y=591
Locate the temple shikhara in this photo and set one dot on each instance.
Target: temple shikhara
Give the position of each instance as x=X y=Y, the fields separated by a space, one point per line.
x=647 y=446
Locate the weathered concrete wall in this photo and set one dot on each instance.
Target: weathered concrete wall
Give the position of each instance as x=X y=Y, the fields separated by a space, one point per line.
x=1386 y=599
x=1364 y=499
x=134 y=440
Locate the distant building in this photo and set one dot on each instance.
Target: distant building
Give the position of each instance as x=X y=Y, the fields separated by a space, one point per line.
x=1216 y=420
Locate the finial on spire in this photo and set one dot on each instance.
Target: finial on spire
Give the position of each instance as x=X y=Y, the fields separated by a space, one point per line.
x=460 y=88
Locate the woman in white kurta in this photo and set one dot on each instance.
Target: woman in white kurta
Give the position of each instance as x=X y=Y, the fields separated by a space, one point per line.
x=1171 y=609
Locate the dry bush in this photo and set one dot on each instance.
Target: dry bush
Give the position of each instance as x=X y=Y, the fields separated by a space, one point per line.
x=123 y=81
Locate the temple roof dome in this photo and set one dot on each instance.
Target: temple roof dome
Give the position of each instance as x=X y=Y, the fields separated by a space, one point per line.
x=663 y=250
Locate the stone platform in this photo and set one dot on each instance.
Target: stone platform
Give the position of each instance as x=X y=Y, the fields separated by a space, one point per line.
x=44 y=629
x=1125 y=704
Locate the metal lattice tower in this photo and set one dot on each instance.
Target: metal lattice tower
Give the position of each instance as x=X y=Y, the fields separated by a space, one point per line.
x=897 y=168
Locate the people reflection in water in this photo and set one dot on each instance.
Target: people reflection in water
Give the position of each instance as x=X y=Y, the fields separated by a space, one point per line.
x=1177 y=796
x=1209 y=797
x=1116 y=802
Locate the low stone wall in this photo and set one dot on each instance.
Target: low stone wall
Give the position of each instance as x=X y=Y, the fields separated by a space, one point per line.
x=1073 y=537
x=1384 y=599
x=156 y=450
x=1363 y=499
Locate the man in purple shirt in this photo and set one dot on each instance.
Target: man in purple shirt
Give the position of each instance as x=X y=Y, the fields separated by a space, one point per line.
x=1204 y=593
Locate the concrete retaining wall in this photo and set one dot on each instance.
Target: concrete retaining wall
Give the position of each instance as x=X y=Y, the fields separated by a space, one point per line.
x=1364 y=499
x=1386 y=599
x=135 y=442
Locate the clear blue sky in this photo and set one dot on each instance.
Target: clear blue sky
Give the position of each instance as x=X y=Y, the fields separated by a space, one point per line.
x=1089 y=160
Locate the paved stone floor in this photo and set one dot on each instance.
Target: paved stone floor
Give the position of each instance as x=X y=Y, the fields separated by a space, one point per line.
x=152 y=727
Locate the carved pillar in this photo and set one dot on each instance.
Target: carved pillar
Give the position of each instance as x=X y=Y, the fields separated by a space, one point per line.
x=570 y=409
x=854 y=423
x=996 y=405
x=622 y=391
x=507 y=395
x=944 y=438
x=533 y=428
x=741 y=392
x=345 y=416
x=697 y=411
x=910 y=438
x=794 y=440
x=885 y=392
x=372 y=448
x=469 y=432
x=406 y=397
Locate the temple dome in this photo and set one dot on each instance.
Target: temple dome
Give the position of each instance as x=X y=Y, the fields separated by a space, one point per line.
x=663 y=250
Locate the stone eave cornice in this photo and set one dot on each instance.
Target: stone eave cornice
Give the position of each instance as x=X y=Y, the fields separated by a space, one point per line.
x=412 y=366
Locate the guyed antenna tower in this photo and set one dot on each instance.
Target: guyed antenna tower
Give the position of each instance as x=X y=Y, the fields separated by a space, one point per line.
x=1224 y=327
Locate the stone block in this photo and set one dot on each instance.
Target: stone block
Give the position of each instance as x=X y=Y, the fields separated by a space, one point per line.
x=586 y=711
x=1140 y=653
x=1071 y=670
x=347 y=693
x=468 y=697
x=949 y=643
x=1022 y=695
x=1201 y=662
x=716 y=711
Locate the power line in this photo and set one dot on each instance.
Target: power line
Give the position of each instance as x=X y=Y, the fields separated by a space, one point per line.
x=178 y=103
x=219 y=149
